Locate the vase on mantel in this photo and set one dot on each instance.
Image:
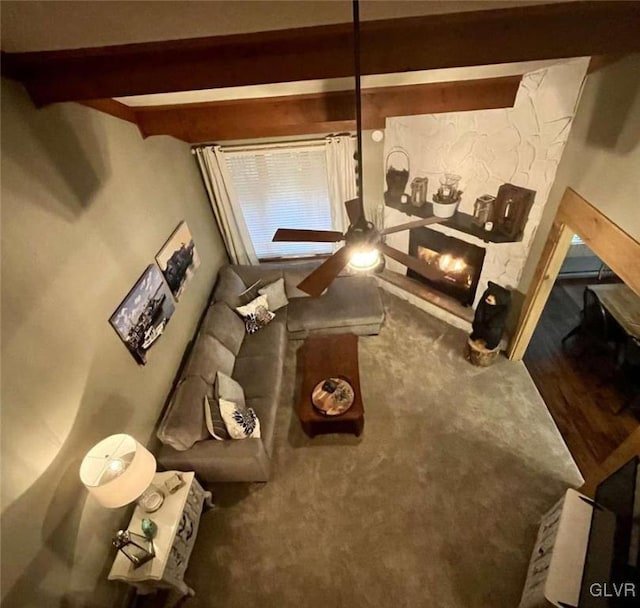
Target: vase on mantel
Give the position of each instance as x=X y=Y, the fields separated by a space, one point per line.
x=447 y=199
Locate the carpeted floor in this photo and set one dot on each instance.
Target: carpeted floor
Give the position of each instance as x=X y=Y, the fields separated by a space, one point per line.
x=434 y=506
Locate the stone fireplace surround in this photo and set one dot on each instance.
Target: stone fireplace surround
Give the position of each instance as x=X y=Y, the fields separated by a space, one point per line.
x=520 y=145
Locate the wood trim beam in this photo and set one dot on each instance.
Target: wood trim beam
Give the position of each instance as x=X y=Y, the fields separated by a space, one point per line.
x=547 y=31
x=322 y=112
x=616 y=248
x=112 y=107
x=553 y=254
x=620 y=251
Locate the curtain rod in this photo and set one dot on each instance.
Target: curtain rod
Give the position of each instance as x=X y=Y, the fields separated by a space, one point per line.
x=297 y=143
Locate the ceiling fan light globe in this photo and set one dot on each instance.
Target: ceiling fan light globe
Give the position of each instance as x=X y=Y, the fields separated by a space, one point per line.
x=364 y=259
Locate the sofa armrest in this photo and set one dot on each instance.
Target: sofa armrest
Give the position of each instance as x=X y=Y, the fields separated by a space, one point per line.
x=213 y=460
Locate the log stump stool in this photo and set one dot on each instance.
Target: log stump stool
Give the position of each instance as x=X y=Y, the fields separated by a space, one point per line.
x=477 y=353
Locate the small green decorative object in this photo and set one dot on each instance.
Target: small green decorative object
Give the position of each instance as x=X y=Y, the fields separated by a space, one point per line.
x=149 y=528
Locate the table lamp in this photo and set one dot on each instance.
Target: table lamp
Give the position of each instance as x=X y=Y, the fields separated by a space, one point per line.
x=119 y=470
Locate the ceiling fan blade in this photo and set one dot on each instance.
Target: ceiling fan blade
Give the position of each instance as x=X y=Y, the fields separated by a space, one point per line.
x=427 y=271
x=417 y=224
x=354 y=210
x=311 y=236
x=323 y=276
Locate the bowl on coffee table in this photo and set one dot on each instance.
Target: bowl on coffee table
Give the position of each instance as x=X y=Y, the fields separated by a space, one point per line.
x=332 y=396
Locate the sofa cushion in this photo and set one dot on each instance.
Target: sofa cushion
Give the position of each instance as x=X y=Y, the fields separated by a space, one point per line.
x=208 y=357
x=245 y=460
x=270 y=340
x=266 y=409
x=183 y=423
x=224 y=324
x=259 y=376
x=229 y=287
x=348 y=301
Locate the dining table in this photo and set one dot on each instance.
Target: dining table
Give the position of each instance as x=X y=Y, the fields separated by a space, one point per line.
x=623 y=304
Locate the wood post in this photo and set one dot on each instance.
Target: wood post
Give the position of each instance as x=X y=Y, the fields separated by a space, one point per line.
x=554 y=253
x=611 y=244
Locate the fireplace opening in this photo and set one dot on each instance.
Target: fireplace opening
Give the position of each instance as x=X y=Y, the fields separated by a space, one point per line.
x=456 y=263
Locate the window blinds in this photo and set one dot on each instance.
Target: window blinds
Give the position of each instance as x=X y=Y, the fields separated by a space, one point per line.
x=282 y=188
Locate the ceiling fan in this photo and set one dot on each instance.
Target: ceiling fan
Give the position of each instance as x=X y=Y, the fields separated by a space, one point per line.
x=363 y=242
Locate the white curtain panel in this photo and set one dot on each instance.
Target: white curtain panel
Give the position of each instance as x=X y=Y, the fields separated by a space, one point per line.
x=225 y=205
x=341 y=173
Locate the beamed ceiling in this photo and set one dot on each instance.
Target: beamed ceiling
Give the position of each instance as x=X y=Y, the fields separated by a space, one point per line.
x=235 y=74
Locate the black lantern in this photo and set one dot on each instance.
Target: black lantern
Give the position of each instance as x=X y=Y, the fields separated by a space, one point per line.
x=135 y=546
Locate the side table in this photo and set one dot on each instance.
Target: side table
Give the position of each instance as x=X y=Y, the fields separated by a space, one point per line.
x=177 y=519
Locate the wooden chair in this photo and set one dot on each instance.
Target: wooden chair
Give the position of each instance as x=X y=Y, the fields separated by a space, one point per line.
x=600 y=332
x=594 y=322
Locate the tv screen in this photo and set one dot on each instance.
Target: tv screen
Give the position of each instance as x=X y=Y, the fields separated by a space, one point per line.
x=611 y=577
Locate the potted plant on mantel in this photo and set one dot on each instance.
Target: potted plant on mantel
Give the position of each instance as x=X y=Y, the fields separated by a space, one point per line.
x=446 y=200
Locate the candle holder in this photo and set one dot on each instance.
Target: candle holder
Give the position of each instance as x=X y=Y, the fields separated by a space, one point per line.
x=483 y=210
x=419 y=191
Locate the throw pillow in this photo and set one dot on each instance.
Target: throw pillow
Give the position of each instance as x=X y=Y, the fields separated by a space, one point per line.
x=227 y=388
x=250 y=293
x=241 y=422
x=213 y=418
x=276 y=295
x=252 y=306
x=256 y=314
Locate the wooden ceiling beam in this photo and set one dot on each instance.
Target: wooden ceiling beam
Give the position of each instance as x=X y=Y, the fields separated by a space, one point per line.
x=321 y=112
x=525 y=33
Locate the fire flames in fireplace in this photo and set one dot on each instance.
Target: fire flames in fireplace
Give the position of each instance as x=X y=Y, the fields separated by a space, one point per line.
x=457 y=262
x=454 y=269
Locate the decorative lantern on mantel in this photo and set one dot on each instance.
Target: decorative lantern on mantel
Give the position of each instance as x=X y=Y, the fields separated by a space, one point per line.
x=138 y=549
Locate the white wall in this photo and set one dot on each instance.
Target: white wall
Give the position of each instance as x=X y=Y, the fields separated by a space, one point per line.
x=86 y=204
x=520 y=145
x=601 y=160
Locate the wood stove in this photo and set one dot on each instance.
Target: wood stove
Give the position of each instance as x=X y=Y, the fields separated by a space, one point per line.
x=458 y=264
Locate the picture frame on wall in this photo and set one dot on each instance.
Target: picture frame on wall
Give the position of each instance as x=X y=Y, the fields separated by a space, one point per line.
x=178 y=259
x=140 y=319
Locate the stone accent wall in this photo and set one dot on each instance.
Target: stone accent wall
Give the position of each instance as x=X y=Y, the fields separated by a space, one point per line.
x=520 y=145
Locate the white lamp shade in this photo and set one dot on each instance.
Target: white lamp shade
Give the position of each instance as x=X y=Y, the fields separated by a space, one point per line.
x=117 y=470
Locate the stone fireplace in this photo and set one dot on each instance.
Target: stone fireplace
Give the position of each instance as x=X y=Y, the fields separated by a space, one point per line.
x=457 y=263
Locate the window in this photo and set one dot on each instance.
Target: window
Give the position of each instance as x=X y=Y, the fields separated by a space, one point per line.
x=282 y=188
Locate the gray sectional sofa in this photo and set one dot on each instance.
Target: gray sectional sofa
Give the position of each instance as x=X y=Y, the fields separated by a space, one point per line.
x=351 y=304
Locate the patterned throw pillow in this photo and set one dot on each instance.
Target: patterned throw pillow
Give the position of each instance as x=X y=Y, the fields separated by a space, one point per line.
x=241 y=422
x=256 y=314
x=258 y=319
x=213 y=419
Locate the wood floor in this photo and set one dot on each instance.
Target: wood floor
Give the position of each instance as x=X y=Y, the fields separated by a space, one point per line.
x=579 y=391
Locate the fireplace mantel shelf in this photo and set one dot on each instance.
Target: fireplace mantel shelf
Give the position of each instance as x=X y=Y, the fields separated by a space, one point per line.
x=460 y=221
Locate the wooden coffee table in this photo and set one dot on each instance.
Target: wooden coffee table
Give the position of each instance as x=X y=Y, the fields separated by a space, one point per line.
x=323 y=357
